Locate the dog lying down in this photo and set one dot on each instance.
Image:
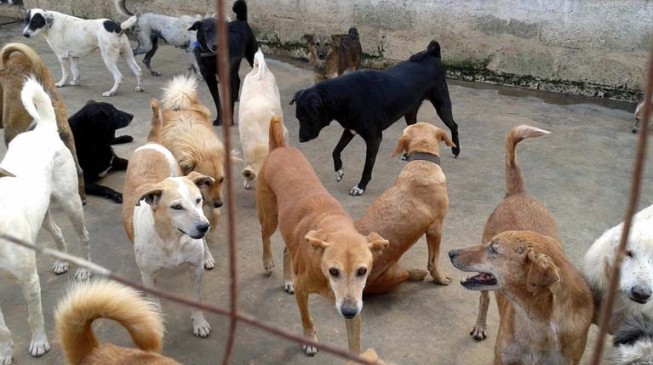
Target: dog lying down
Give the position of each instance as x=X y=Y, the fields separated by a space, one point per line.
x=87 y=302
x=633 y=342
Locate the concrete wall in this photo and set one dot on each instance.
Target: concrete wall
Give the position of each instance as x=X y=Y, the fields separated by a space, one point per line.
x=590 y=47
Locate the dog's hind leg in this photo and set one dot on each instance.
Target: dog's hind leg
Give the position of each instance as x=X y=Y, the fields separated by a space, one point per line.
x=60 y=266
x=148 y=56
x=372 y=143
x=209 y=261
x=201 y=328
x=73 y=209
x=478 y=332
x=411 y=116
x=110 y=62
x=433 y=240
x=345 y=138
x=131 y=62
x=65 y=65
x=74 y=69
x=32 y=292
x=266 y=205
x=5 y=342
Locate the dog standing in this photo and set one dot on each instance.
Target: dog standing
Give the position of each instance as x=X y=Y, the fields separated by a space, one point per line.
x=259 y=101
x=635 y=294
x=28 y=182
x=324 y=253
x=71 y=38
x=332 y=55
x=85 y=303
x=368 y=102
x=242 y=44
x=415 y=205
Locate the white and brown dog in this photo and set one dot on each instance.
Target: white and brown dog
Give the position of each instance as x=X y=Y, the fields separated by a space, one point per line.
x=162 y=215
x=259 y=102
x=28 y=182
x=71 y=38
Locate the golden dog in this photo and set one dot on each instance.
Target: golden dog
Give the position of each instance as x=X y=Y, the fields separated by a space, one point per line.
x=332 y=55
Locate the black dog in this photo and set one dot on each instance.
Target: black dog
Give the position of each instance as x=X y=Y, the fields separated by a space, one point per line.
x=242 y=43
x=94 y=128
x=368 y=102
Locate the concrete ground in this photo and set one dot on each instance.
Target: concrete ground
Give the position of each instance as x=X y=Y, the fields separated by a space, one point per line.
x=581 y=172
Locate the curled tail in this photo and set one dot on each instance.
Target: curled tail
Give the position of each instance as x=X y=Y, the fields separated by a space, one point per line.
x=259 y=61
x=276 y=133
x=240 y=8
x=38 y=67
x=157 y=122
x=89 y=301
x=129 y=22
x=180 y=93
x=514 y=179
x=38 y=104
x=122 y=9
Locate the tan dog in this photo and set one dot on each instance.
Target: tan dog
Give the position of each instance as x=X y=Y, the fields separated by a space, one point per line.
x=415 y=205
x=332 y=55
x=323 y=249
x=17 y=61
x=372 y=356
x=544 y=304
x=85 y=303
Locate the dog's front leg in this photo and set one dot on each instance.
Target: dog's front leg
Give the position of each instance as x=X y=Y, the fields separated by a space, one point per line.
x=433 y=240
x=373 y=143
x=74 y=69
x=60 y=266
x=354 y=334
x=288 y=273
x=201 y=328
x=307 y=322
x=32 y=293
x=5 y=342
x=479 y=332
x=65 y=65
x=345 y=138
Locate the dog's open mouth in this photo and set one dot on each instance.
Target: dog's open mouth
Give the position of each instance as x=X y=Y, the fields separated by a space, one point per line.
x=479 y=282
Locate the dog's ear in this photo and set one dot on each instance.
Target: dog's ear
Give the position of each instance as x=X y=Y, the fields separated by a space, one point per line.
x=441 y=135
x=48 y=19
x=5 y=173
x=309 y=38
x=187 y=166
x=317 y=239
x=90 y=102
x=542 y=272
x=151 y=197
x=202 y=181
x=377 y=243
x=297 y=95
x=313 y=107
x=196 y=26
x=402 y=146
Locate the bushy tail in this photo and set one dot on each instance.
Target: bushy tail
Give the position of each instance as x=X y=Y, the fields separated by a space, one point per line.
x=122 y=9
x=127 y=24
x=259 y=61
x=180 y=93
x=38 y=104
x=276 y=133
x=353 y=33
x=38 y=67
x=514 y=179
x=240 y=8
x=89 y=301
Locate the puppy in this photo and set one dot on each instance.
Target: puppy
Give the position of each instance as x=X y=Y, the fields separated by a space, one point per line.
x=517 y=211
x=152 y=26
x=71 y=38
x=28 y=182
x=186 y=131
x=545 y=306
x=332 y=55
x=415 y=205
x=633 y=342
x=18 y=61
x=242 y=44
x=259 y=101
x=635 y=295
x=368 y=102
x=94 y=128
x=639 y=116
x=324 y=253
x=85 y=303
x=162 y=215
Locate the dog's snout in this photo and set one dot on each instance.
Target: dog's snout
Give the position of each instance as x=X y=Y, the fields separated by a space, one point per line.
x=349 y=309
x=26 y=35
x=202 y=228
x=321 y=56
x=640 y=294
x=217 y=203
x=453 y=254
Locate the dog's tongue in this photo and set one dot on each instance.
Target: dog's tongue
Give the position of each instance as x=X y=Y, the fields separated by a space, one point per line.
x=479 y=280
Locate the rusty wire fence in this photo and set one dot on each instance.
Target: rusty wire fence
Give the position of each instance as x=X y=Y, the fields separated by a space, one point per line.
x=237 y=316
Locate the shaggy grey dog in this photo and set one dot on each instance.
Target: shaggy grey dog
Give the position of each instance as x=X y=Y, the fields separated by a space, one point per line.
x=633 y=342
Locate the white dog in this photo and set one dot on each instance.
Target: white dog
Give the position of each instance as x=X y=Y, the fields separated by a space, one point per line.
x=635 y=294
x=71 y=38
x=28 y=181
x=259 y=102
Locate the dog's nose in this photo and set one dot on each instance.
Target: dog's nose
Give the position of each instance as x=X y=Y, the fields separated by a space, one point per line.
x=217 y=203
x=26 y=35
x=321 y=56
x=348 y=311
x=640 y=294
x=453 y=254
x=202 y=228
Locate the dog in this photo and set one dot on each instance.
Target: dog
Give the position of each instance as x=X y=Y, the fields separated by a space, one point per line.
x=371 y=356
x=152 y=26
x=85 y=303
x=162 y=215
x=71 y=38
x=17 y=61
x=635 y=294
x=639 y=116
x=415 y=205
x=332 y=55
x=633 y=342
x=94 y=128
x=28 y=182
x=368 y=102
x=185 y=130
x=242 y=44
x=259 y=101
x=324 y=253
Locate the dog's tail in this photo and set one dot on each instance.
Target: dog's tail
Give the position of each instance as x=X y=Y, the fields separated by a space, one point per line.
x=157 y=122
x=180 y=93
x=122 y=9
x=259 y=61
x=434 y=49
x=89 y=301
x=514 y=179
x=276 y=133
x=353 y=33
x=38 y=67
x=240 y=8
x=129 y=22
x=38 y=104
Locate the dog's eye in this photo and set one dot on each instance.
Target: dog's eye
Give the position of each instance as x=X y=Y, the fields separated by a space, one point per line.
x=198 y=200
x=629 y=254
x=221 y=180
x=361 y=271
x=493 y=249
x=334 y=272
x=176 y=206
x=326 y=44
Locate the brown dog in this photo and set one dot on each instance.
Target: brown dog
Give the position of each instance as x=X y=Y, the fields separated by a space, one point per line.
x=17 y=61
x=415 y=205
x=323 y=249
x=332 y=55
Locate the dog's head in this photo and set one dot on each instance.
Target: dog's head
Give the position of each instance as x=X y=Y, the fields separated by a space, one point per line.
x=346 y=259
x=519 y=263
x=310 y=113
x=422 y=137
x=636 y=280
x=97 y=122
x=320 y=46
x=206 y=34
x=37 y=20
x=177 y=202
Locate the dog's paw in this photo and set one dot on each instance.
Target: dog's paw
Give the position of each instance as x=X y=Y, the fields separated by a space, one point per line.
x=339 y=175
x=217 y=122
x=39 y=347
x=201 y=328
x=60 y=84
x=478 y=333
x=268 y=265
x=139 y=88
x=108 y=94
x=455 y=151
x=117 y=198
x=209 y=261
x=247 y=185
x=82 y=274
x=60 y=267
x=309 y=350
x=442 y=280
x=356 y=191
x=289 y=287
x=155 y=73
x=416 y=274
x=6 y=353
x=74 y=83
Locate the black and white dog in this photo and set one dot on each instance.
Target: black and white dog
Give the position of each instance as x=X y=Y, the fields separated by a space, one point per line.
x=71 y=38
x=94 y=128
x=242 y=44
x=368 y=102
x=633 y=342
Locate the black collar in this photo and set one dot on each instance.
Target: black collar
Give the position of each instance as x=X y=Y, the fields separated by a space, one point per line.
x=424 y=156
